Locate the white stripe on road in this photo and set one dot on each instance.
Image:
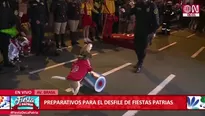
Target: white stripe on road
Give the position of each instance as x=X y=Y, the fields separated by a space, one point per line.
x=57 y=65
x=173 y=32
x=108 y=72
x=63 y=48
x=190 y=36
x=198 y=52
x=155 y=91
x=167 y=46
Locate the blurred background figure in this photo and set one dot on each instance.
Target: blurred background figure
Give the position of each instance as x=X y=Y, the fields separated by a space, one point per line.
x=201 y=19
x=7 y=20
x=73 y=14
x=59 y=10
x=86 y=10
x=116 y=10
x=97 y=16
x=167 y=17
x=38 y=17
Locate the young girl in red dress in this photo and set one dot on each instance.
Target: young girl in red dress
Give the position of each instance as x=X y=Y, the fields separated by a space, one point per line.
x=86 y=10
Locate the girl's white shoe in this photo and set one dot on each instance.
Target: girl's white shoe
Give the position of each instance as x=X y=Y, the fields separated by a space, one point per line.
x=88 y=40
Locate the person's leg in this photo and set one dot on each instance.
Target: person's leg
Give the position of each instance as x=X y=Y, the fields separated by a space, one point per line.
x=40 y=39
x=164 y=24
x=57 y=33
x=140 y=49
x=34 y=30
x=75 y=85
x=4 y=50
x=75 y=31
x=62 y=32
x=71 y=24
x=87 y=32
x=84 y=34
x=168 y=29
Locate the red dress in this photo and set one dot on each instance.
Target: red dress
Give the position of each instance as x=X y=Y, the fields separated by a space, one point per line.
x=24 y=18
x=86 y=19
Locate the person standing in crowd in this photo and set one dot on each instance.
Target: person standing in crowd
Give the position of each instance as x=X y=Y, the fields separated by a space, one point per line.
x=147 y=22
x=96 y=16
x=59 y=12
x=109 y=10
x=118 y=4
x=73 y=14
x=201 y=19
x=7 y=20
x=86 y=10
x=38 y=17
x=168 y=16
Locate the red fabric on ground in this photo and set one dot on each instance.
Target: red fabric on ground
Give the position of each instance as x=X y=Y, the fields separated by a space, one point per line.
x=122 y=41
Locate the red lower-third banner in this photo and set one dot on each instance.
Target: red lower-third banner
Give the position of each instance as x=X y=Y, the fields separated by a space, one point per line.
x=113 y=102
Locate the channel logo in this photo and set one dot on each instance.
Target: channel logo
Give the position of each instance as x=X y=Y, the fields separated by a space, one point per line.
x=4 y=102
x=25 y=102
x=196 y=102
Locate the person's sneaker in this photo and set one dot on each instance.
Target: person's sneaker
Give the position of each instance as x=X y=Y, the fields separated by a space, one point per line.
x=88 y=40
x=138 y=70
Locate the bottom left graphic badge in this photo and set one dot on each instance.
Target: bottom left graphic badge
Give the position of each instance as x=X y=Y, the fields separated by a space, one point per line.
x=5 y=102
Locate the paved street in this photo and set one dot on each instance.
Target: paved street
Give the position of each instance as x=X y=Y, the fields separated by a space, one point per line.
x=182 y=54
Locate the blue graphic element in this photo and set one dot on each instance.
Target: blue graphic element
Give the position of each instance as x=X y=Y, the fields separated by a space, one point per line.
x=192 y=102
x=4 y=102
x=25 y=102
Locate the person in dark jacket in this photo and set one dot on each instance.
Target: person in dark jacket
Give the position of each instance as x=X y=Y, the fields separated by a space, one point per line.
x=38 y=17
x=59 y=10
x=167 y=17
x=97 y=16
x=7 y=20
x=147 y=22
x=73 y=19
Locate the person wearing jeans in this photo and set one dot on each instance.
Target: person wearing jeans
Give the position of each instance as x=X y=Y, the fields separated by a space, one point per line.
x=73 y=19
x=59 y=9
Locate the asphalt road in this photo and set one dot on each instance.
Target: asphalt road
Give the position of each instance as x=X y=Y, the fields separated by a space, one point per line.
x=181 y=54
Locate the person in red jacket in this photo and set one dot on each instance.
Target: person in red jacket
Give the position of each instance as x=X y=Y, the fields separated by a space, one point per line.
x=80 y=68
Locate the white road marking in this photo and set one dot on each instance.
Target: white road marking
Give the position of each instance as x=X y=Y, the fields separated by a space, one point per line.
x=108 y=73
x=155 y=91
x=190 y=36
x=57 y=65
x=173 y=32
x=198 y=52
x=167 y=46
x=63 y=48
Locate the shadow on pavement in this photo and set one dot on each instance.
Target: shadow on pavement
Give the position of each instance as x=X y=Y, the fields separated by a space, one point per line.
x=87 y=91
x=8 y=79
